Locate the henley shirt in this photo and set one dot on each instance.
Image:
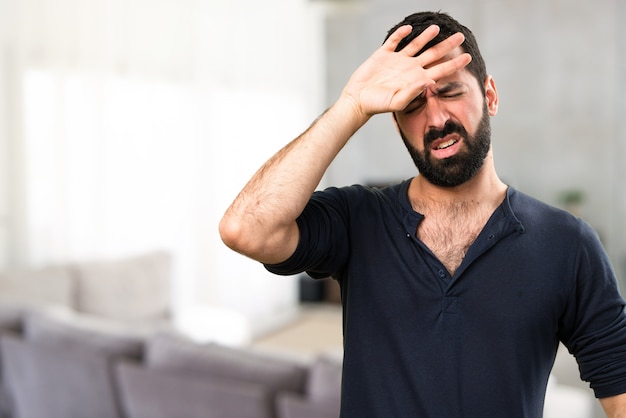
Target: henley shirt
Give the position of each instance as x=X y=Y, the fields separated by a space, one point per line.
x=419 y=342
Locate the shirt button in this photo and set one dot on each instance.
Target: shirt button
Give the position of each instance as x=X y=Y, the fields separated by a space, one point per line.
x=442 y=274
x=491 y=236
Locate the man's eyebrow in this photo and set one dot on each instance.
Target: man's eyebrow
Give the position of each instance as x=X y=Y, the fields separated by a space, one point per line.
x=448 y=87
x=417 y=102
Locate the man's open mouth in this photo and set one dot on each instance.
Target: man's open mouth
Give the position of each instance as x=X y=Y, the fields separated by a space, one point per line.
x=446 y=144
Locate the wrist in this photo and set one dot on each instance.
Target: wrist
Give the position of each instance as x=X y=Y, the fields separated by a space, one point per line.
x=349 y=108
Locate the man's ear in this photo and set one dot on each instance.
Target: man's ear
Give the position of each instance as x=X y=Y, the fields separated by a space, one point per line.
x=491 y=96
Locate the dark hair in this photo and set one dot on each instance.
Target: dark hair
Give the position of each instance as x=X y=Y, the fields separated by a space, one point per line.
x=448 y=26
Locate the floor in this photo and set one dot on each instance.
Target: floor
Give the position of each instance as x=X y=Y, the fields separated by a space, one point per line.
x=317 y=331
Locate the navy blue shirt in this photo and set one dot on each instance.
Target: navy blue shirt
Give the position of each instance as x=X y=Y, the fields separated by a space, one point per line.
x=421 y=343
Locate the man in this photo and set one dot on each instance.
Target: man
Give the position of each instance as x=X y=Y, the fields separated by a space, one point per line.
x=456 y=289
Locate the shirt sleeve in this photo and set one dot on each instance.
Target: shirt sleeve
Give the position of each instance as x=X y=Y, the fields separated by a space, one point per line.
x=597 y=334
x=323 y=247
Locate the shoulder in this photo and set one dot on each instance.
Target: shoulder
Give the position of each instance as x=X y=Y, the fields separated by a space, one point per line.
x=359 y=195
x=526 y=205
x=544 y=219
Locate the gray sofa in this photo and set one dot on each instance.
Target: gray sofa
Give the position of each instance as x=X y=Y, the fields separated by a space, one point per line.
x=179 y=378
x=95 y=340
x=52 y=375
x=55 y=369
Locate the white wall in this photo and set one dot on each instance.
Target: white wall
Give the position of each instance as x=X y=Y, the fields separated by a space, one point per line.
x=133 y=124
x=4 y=172
x=158 y=111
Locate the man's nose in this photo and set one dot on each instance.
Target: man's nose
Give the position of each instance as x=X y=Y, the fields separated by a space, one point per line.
x=436 y=114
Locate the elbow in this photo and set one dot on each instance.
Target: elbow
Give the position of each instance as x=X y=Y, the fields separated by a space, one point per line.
x=259 y=243
x=241 y=237
x=231 y=233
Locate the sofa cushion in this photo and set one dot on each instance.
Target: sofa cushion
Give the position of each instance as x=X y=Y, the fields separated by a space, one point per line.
x=6 y=400
x=51 y=285
x=60 y=327
x=48 y=381
x=169 y=353
x=135 y=288
x=148 y=393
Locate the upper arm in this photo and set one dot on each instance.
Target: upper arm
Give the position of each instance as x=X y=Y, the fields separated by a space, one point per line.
x=272 y=248
x=322 y=245
x=281 y=246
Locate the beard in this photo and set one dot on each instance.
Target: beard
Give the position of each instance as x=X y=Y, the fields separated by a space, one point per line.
x=459 y=168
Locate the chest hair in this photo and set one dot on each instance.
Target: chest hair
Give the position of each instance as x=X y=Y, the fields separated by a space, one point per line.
x=449 y=230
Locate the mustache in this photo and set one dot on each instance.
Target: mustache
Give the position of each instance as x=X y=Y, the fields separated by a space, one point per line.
x=449 y=128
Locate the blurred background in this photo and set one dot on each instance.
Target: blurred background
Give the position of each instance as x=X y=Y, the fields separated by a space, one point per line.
x=130 y=125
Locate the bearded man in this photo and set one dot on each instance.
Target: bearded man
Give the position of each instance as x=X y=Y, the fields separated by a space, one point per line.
x=456 y=288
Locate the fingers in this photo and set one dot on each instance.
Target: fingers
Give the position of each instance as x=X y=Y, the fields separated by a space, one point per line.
x=448 y=67
x=430 y=58
x=395 y=38
x=416 y=45
x=432 y=54
x=438 y=51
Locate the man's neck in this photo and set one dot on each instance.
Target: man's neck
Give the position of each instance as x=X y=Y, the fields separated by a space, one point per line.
x=485 y=189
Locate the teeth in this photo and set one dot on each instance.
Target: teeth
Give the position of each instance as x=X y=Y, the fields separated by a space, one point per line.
x=446 y=144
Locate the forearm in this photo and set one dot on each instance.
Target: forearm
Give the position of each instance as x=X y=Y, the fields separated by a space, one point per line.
x=260 y=223
x=614 y=406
